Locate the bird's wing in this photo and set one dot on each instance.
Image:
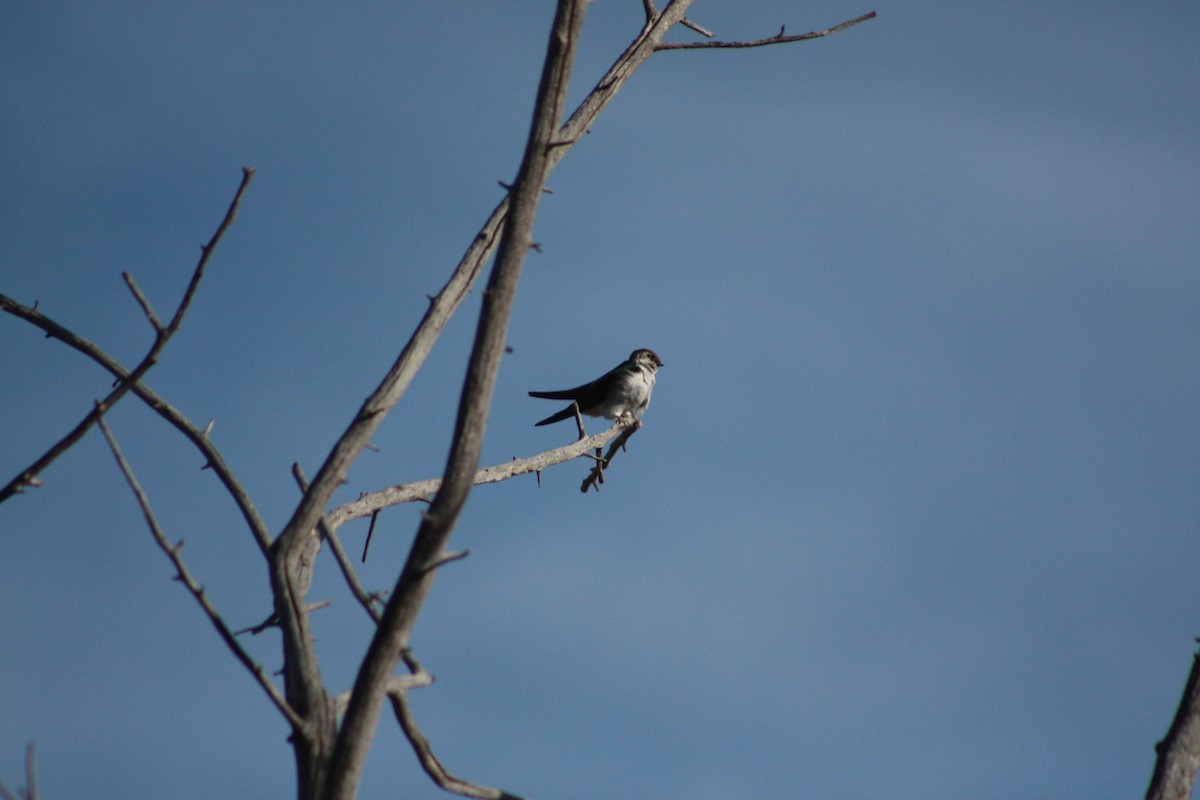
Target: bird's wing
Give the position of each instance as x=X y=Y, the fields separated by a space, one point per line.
x=587 y=395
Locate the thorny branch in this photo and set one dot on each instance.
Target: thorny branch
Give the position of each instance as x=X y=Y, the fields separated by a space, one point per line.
x=372 y=502
x=28 y=476
x=778 y=38
x=174 y=552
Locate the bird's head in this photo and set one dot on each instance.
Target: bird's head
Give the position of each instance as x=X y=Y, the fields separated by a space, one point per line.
x=647 y=358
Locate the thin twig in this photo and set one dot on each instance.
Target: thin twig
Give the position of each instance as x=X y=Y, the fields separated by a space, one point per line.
x=579 y=420
x=370 y=533
x=778 y=38
x=27 y=476
x=184 y=575
x=444 y=559
x=687 y=23
x=142 y=301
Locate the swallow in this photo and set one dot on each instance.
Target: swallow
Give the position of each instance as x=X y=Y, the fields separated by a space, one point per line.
x=623 y=393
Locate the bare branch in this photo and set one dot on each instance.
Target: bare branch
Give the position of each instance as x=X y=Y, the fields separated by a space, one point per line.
x=198 y=436
x=1179 y=752
x=26 y=476
x=174 y=552
x=372 y=502
x=778 y=38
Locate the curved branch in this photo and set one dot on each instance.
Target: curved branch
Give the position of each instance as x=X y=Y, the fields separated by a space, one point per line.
x=28 y=476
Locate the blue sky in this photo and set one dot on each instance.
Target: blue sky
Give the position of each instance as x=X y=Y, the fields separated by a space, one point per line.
x=915 y=510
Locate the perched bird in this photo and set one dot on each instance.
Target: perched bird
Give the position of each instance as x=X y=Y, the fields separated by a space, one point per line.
x=623 y=393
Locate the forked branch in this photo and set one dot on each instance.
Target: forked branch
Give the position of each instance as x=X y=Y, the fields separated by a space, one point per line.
x=29 y=475
x=198 y=436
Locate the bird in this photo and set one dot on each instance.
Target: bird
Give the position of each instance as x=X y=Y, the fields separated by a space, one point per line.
x=622 y=393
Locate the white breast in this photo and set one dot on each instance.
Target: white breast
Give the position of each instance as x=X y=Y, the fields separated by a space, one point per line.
x=630 y=394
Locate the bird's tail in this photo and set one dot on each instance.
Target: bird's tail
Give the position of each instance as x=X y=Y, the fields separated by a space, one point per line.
x=568 y=394
x=566 y=413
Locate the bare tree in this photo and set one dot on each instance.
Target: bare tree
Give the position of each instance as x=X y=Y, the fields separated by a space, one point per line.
x=331 y=732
